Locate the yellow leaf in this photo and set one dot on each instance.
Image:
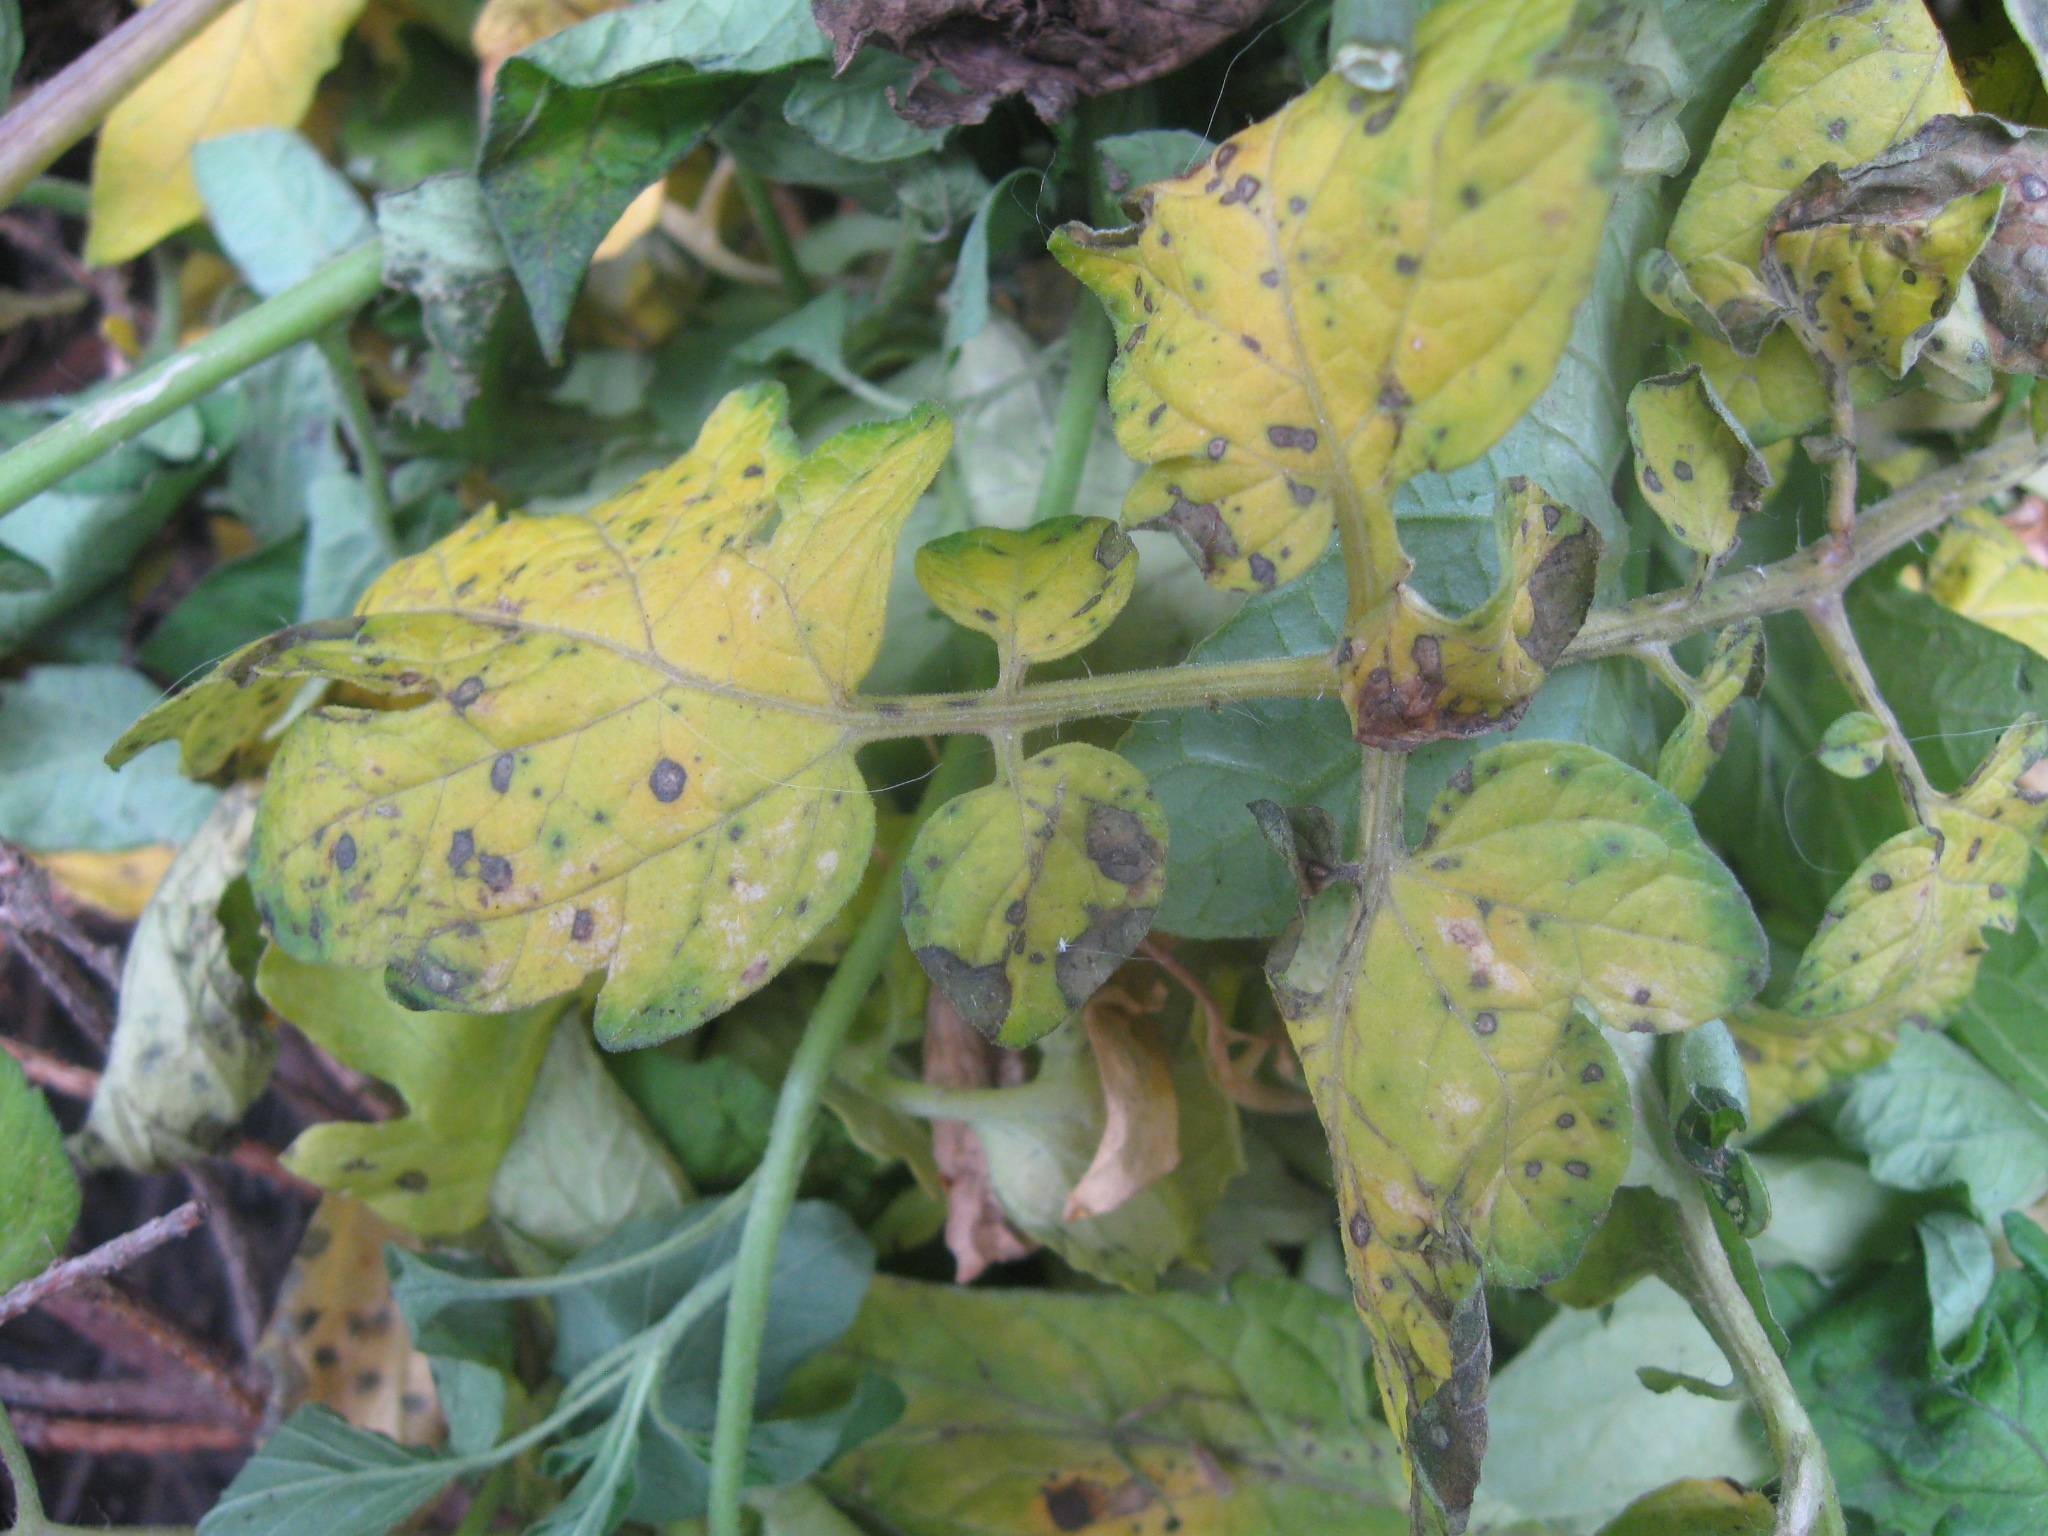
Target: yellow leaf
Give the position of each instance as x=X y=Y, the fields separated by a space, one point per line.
x=1694 y=464
x=640 y=217
x=1020 y=899
x=1984 y=571
x=255 y=67
x=117 y=884
x=628 y=747
x=1447 y=1023
x=1359 y=288
x=1902 y=939
x=1735 y=671
x=1041 y=592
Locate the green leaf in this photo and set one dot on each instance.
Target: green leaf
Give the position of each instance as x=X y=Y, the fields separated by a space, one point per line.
x=1709 y=1102
x=441 y=247
x=1231 y=1417
x=1694 y=464
x=1960 y=1267
x=1696 y=1507
x=1735 y=670
x=712 y=1113
x=1901 y=941
x=1040 y=592
x=1932 y=1117
x=1021 y=898
x=1477 y=1120
x=665 y=742
x=55 y=725
x=1000 y=219
x=1131 y=161
x=10 y=47
x=289 y=441
x=317 y=1472
x=853 y=113
x=582 y=121
x=1854 y=745
x=2001 y=1021
x=38 y=1191
x=1921 y=1451
x=431 y=1169
x=279 y=210
x=192 y=1048
x=235 y=602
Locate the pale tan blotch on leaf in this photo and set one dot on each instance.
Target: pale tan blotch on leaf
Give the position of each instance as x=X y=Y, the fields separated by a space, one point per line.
x=1695 y=465
x=627 y=749
x=1040 y=592
x=1410 y=674
x=1358 y=289
x=1903 y=937
x=1734 y=671
x=1447 y=1020
x=1020 y=899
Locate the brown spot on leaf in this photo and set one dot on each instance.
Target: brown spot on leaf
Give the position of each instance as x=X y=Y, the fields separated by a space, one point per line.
x=501 y=772
x=495 y=871
x=980 y=994
x=466 y=692
x=1119 y=845
x=582 y=925
x=1302 y=439
x=343 y=853
x=667 y=780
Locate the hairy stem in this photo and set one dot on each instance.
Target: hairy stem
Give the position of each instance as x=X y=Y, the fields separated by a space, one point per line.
x=774 y=234
x=1831 y=627
x=1842 y=467
x=69 y=105
x=782 y=1163
x=148 y=395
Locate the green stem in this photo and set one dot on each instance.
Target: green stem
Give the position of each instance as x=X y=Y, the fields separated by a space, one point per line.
x=29 y=1519
x=360 y=423
x=148 y=395
x=782 y=1163
x=1830 y=625
x=69 y=105
x=73 y=199
x=1088 y=347
x=774 y=234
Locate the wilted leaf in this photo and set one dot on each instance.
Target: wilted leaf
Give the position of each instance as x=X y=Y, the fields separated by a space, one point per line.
x=1694 y=463
x=1141 y=1126
x=1069 y=1413
x=465 y=1079
x=1021 y=898
x=1902 y=939
x=1701 y=1506
x=255 y=67
x=1854 y=746
x=612 y=709
x=192 y=1049
x=1984 y=571
x=1477 y=1120
x=1048 y=55
x=1735 y=671
x=1039 y=592
x=38 y=1190
x=337 y=1334
x=1284 y=360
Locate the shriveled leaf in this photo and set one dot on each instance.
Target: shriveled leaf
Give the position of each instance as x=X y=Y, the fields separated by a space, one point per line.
x=319 y=1472
x=1838 y=87
x=465 y=1079
x=1477 y=1119
x=1700 y=1506
x=1694 y=464
x=1051 y=56
x=1411 y=674
x=1020 y=899
x=336 y=1337
x=1734 y=672
x=192 y=1048
x=1984 y=571
x=1039 y=592
x=611 y=710
x=955 y=1055
x=1902 y=939
x=1141 y=1125
x=1284 y=358
x=1870 y=290
x=1071 y=1413
x=38 y=1191
x=583 y=1162
x=255 y=67
x=1854 y=746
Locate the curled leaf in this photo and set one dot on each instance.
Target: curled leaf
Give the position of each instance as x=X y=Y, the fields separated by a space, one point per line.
x=1141 y=1128
x=1351 y=292
x=1903 y=938
x=625 y=746
x=1040 y=592
x=1020 y=899
x=1695 y=465
x=1478 y=1120
x=1735 y=671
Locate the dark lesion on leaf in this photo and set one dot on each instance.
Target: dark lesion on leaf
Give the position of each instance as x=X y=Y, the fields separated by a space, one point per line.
x=1119 y=846
x=979 y=993
x=1092 y=956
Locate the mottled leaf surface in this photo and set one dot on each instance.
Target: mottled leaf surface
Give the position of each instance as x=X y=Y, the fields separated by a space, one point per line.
x=1286 y=356
x=625 y=747
x=1695 y=465
x=1020 y=899
x=1039 y=592
x=1902 y=939
x=1477 y=1118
